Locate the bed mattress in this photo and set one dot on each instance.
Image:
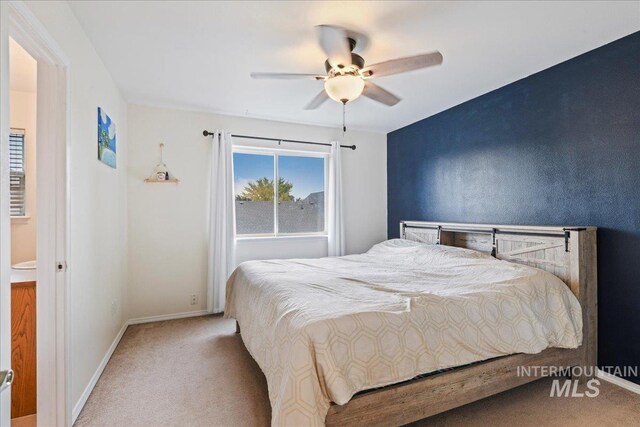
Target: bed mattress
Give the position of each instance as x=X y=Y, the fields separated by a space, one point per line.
x=324 y=329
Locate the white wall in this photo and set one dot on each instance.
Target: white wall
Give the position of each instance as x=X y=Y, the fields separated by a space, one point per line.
x=23 y=230
x=98 y=211
x=168 y=222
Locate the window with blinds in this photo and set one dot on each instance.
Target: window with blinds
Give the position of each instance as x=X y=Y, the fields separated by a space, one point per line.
x=17 y=172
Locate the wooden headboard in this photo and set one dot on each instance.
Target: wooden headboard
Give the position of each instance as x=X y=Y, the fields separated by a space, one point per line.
x=567 y=252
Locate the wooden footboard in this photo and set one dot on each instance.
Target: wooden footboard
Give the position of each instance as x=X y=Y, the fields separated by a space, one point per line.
x=421 y=398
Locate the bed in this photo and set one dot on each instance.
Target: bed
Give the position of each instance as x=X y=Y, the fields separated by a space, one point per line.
x=373 y=338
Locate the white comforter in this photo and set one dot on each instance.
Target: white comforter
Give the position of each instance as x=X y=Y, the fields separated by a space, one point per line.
x=323 y=329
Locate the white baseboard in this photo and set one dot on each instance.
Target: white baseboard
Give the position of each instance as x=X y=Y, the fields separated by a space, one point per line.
x=620 y=382
x=167 y=317
x=94 y=379
x=96 y=376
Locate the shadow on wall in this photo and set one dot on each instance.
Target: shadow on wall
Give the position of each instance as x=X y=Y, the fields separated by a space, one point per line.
x=618 y=256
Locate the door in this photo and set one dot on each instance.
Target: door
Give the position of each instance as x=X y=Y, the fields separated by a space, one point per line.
x=5 y=224
x=17 y=21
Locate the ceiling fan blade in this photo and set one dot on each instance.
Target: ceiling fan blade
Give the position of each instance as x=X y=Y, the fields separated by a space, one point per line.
x=333 y=41
x=375 y=92
x=317 y=101
x=402 y=65
x=286 y=76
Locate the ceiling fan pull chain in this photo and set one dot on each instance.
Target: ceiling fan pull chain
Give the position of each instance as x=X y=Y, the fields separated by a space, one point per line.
x=344 y=114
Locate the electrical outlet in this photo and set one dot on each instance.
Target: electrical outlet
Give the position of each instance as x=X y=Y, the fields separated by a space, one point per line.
x=114 y=307
x=194 y=299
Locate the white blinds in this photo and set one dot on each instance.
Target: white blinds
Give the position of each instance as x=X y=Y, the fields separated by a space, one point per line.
x=17 y=172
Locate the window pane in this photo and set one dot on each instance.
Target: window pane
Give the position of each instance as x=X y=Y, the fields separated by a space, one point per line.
x=253 y=187
x=300 y=194
x=17 y=173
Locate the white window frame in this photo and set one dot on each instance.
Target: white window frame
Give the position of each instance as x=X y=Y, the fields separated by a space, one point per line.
x=276 y=152
x=23 y=216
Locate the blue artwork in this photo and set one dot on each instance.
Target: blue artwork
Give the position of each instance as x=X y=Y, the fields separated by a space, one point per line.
x=106 y=139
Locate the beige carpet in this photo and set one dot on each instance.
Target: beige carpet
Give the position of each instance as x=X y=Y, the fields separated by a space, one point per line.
x=196 y=372
x=26 y=421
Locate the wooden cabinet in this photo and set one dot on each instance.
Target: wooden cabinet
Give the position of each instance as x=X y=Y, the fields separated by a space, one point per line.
x=23 y=348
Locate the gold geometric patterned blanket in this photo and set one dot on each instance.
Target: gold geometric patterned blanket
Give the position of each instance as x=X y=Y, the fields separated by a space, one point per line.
x=324 y=329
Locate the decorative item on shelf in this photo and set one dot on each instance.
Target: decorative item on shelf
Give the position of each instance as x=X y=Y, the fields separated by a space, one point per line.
x=161 y=172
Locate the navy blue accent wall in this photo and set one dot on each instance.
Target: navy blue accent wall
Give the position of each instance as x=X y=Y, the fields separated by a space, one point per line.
x=560 y=147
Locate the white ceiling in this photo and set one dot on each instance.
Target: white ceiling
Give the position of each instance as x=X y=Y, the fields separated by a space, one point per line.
x=23 y=72
x=198 y=55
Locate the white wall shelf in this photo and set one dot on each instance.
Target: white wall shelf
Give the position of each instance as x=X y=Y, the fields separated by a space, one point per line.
x=161 y=171
x=162 y=181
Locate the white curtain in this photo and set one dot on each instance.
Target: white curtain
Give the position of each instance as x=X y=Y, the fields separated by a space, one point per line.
x=221 y=221
x=336 y=221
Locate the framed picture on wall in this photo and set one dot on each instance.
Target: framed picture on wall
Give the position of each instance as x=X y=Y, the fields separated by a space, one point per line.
x=106 y=139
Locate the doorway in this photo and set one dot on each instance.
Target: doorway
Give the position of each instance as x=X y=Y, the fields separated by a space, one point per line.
x=33 y=192
x=23 y=77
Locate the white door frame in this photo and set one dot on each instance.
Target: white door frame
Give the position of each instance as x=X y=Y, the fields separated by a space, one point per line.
x=52 y=301
x=5 y=222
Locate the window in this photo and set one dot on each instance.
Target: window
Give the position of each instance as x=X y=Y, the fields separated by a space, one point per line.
x=17 y=172
x=296 y=205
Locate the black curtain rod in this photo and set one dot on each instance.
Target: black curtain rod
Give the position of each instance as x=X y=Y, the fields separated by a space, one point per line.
x=353 y=147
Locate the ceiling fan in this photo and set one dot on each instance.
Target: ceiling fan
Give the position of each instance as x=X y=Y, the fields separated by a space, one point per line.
x=347 y=76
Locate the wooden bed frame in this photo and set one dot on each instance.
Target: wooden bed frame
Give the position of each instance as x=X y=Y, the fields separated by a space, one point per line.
x=567 y=252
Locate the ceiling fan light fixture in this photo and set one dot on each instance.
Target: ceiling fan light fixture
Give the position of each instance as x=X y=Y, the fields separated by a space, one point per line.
x=347 y=77
x=344 y=88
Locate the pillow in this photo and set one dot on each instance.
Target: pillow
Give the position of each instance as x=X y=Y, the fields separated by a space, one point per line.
x=395 y=246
